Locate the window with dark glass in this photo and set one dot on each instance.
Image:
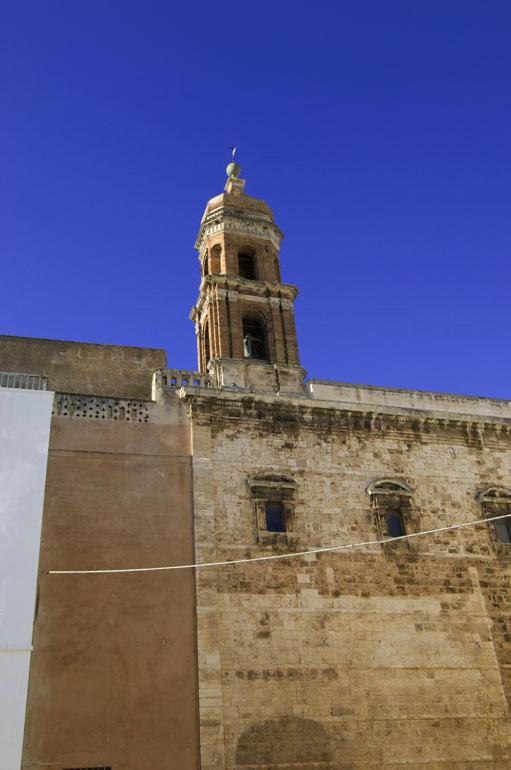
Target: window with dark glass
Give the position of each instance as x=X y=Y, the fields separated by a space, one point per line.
x=254 y=339
x=247 y=266
x=503 y=530
x=496 y=501
x=395 y=524
x=275 y=517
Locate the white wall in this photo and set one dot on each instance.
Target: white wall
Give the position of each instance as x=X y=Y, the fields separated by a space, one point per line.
x=24 y=434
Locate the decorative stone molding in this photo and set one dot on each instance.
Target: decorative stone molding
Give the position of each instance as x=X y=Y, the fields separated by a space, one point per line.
x=282 y=301
x=238 y=223
x=301 y=413
x=239 y=288
x=494 y=494
x=270 y=480
x=388 y=486
x=253 y=298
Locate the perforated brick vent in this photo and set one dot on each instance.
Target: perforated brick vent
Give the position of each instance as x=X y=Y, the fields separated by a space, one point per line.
x=87 y=768
x=94 y=408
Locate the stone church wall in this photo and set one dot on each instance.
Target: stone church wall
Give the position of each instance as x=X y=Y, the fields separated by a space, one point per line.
x=394 y=656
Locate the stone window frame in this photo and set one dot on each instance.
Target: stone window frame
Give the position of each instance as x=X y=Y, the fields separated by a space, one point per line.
x=273 y=488
x=495 y=500
x=391 y=495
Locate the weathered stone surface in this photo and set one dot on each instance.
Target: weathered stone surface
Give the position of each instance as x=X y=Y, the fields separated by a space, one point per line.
x=397 y=653
x=394 y=655
x=83 y=367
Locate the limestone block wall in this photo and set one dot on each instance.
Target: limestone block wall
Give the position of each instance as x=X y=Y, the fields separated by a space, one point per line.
x=389 y=656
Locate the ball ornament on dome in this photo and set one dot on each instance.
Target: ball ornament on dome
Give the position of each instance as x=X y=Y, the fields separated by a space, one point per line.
x=233 y=170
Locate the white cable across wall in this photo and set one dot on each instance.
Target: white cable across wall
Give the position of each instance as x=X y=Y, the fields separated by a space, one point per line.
x=274 y=557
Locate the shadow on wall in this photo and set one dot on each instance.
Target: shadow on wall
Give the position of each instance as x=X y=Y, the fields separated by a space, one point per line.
x=300 y=744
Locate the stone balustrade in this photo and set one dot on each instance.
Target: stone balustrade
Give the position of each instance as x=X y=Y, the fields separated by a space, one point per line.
x=173 y=379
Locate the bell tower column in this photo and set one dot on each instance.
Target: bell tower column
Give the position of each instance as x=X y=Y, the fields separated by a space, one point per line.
x=244 y=316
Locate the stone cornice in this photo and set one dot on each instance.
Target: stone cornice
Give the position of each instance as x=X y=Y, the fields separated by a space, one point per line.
x=326 y=417
x=248 y=290
x=226 y=220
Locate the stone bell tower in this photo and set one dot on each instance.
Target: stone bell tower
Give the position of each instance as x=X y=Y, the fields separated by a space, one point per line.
x=244 y=316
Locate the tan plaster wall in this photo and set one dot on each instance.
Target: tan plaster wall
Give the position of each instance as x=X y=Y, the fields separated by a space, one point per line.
x=394 y=656
x=113 y=677
x=82 y=367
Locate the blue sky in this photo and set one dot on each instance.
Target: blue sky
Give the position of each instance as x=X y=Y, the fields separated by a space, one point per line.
x=379 y=132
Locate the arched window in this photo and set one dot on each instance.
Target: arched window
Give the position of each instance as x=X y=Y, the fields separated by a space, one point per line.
x=496 y=501
x=205 y=264
x=391 y=501
x=255 y=343
x=215 y=259
x=247 y=264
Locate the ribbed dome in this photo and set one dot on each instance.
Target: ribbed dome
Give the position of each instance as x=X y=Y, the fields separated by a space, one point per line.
x=237 y=202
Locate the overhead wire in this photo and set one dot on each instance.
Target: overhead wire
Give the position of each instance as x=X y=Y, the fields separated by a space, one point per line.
x=278 y=556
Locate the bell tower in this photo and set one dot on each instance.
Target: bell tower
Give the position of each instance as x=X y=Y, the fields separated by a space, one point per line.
x=244 y=316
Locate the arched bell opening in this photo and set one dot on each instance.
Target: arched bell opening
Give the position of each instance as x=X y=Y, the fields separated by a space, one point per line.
x=247 y=264
x=255 y=338
x=207 y=346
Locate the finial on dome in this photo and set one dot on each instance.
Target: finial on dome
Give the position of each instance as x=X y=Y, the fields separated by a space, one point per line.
x=234 y=184
x=233 y=170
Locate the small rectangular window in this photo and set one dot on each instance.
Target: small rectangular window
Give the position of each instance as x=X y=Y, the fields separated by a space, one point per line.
x=395 y=524
x=503 y=530
x=275 y=517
